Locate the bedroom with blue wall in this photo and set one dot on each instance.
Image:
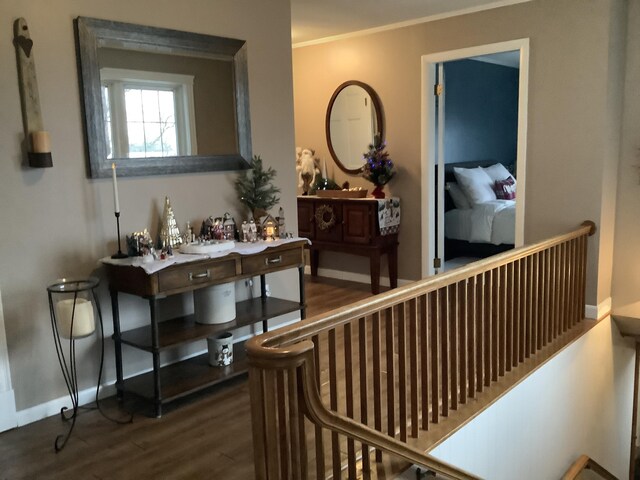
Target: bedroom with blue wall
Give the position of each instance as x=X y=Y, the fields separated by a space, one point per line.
x=481 y=111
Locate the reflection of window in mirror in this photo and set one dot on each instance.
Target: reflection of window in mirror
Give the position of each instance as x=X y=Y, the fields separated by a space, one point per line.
x=148 y=114
x=352 y=125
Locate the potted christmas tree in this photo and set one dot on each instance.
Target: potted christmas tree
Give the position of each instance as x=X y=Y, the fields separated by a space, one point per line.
x=256 y=190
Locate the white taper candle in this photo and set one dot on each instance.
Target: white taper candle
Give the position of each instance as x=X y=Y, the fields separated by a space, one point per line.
x=116 y=201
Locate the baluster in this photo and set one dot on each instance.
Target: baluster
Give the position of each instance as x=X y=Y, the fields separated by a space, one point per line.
x=391 y=401
x=575 y=317
x=480 y=331
x=524 y=299
x=471 y=335
x=348 y=378
x=501 y=307
x=402 y=371
x=548 y=334
x=509 y=316
x=377 y=378
x=424 y=360
x=413 y=366
x=271 y=425
x=285 y=458
x=434 y=327
x=260 y=427
x=530 y=302
x=444 y=350
x=565 y=286
x=453 y=314
x=517 y=300
x=535 y=300
x=319 y=437
x=364 y=390
x=333 y=397
x=462 y=339
x=489 y=342
x=559 y=299
x=583 y=274
x=296 y=425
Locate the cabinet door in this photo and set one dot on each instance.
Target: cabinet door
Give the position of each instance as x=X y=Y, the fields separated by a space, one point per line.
x=327 y=217
x=305 y=218
x=358 y=222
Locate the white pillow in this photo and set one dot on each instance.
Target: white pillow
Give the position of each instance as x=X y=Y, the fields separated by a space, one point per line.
x=498 y=172
x=457 y=195
x=476 y=184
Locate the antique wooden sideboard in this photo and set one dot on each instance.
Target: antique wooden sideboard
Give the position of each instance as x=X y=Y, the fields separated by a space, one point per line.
x=166 y=383
x=348 y=226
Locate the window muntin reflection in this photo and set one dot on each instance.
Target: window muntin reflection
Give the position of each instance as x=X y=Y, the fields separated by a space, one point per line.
x=148 y=114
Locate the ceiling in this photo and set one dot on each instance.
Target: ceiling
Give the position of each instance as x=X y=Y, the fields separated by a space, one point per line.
x=312 y=20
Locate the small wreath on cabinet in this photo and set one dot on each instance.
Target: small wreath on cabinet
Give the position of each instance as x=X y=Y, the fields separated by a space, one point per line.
x=325 y=217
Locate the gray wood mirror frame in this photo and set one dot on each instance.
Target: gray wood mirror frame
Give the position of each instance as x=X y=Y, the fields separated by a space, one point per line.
x=354 y=117
x=98 y=44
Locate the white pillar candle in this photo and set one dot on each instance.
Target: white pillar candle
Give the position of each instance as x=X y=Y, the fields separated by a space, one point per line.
x=116 y=201
x=40 y=142
x=324 y=168
x=83 y=320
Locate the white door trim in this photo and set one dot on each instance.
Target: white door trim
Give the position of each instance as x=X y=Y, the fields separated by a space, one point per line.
x=429 y=63
x=8 y=417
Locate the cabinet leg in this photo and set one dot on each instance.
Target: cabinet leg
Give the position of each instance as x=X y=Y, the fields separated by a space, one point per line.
x=155 y=345
x=314 y=258
x=117 y=342
x=393 y=266
x=374 y=262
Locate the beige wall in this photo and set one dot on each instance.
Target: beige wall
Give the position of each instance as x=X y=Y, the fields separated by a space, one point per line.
x=57 y=223
x=570 y=148
x=626 y=270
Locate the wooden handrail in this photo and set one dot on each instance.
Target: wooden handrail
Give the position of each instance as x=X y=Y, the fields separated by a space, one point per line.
x=584 y=462
x=371 y=377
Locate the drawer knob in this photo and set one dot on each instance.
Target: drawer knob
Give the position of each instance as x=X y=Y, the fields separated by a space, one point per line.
x=196 y=276
x=271 y=261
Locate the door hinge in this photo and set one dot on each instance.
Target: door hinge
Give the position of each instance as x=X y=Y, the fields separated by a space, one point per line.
x=437 y=89
x=437 y=262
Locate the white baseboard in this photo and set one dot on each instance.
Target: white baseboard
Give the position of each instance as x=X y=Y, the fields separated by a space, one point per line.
x=53 y=407
x=352 y=276
x=87 y=396
x=596 y=312
x=8 y=417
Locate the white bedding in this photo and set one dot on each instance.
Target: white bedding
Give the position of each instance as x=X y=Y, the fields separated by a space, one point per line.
x=488 y=222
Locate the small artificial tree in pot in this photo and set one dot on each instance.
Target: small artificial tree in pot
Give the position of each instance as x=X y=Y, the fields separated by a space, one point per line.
x=256 y=190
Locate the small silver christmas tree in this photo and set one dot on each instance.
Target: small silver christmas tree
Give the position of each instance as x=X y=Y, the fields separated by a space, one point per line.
x=169 y=232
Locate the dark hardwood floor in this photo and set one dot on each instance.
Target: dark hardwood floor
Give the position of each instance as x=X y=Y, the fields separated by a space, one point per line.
x=207 y=435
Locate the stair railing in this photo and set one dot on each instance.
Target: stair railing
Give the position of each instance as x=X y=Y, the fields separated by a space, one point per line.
x=331 y=394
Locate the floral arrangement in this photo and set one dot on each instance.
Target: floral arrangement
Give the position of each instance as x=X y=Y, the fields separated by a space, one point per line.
x=378 y=167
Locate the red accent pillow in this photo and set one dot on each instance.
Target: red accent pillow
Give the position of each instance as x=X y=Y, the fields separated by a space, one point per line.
x=505 y=189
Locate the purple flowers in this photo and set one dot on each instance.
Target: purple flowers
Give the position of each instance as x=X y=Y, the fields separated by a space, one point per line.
x=378 y=167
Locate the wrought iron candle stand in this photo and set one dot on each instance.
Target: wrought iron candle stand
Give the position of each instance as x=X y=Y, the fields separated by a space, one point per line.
x=72 y=318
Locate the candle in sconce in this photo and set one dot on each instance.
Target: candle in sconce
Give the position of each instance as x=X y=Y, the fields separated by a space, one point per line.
x=116 y=201
x=83 y=320
x=40 y=142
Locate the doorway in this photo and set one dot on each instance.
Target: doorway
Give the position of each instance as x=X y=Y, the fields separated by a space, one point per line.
x=434 y=151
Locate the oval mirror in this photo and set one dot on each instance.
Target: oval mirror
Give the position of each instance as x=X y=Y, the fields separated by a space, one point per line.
x=353 y=118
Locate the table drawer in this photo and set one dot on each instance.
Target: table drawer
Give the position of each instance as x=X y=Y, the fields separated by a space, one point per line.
x=269 y=261
x=197 y=274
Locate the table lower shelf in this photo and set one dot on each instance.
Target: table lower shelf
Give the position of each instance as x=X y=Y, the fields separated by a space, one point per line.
x=188 y=376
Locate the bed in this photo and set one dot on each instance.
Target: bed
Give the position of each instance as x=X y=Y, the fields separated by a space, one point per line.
x=479 y=220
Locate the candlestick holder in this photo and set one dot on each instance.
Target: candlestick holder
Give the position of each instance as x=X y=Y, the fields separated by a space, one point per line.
x=73 y=314
x=120 y=253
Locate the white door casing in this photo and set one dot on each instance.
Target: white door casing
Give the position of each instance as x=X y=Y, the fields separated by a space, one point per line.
x=8 y=418
x=428 y=139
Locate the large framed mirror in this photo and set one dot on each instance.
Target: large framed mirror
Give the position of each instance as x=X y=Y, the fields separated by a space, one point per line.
x=159 y=101
x=354 y=118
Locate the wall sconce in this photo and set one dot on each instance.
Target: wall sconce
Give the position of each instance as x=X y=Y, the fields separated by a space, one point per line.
x=38 y=141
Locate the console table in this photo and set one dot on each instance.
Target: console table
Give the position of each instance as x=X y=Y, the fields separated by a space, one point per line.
x=348 y=225
x=170 y=382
